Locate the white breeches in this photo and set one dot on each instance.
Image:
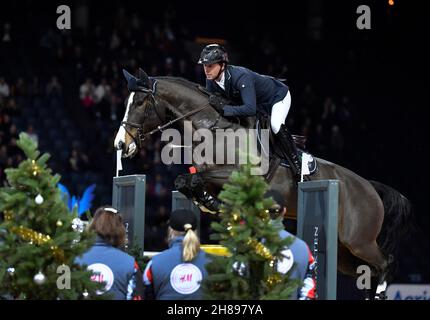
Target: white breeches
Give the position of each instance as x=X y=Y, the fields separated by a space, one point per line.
x=279 y=113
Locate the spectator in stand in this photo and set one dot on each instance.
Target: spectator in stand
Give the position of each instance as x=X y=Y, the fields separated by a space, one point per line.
x=13 y=132
x=35 y=88
x=87 y=96
x=20 y=88
x=5 y=124
x=6 y=37
x=330 y=114
x=4 y=89
x=78 y=161
x=102 y=96
x=12 y=107
x=336 y=144
x=87 y=89
x=3 y=154
x=32 y=134
x=13 y=150
x=54 y=88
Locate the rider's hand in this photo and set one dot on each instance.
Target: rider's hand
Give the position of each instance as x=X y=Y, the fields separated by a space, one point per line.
x=217 y=102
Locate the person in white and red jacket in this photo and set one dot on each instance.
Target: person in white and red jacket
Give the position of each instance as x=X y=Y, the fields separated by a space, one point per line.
x=297 y=257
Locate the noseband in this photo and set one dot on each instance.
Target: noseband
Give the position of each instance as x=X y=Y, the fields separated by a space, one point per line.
x=141 y=136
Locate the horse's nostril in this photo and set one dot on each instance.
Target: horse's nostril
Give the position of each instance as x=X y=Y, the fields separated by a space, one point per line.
x=121 y=145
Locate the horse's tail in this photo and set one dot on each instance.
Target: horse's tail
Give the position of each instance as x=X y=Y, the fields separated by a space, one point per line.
x=398 y=220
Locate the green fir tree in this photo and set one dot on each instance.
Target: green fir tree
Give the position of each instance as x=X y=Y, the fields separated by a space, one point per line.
x=252 y=238
x=137 y=252
x=38 y=237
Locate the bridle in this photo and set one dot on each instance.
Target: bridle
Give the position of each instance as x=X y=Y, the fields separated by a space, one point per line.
x=141 y=136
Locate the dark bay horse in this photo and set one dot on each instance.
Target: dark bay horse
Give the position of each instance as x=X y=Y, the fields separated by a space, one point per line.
x=371 y=215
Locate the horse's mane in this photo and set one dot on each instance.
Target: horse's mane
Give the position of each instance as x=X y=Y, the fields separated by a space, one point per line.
x=189 y=84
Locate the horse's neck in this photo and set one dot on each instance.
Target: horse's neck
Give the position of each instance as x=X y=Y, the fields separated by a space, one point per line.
x=183 y=98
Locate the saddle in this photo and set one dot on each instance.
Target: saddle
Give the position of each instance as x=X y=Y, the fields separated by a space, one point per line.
x=274 y=153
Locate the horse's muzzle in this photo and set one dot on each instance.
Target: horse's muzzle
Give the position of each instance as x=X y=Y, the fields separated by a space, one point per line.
x=130 y=151
x=120 y=146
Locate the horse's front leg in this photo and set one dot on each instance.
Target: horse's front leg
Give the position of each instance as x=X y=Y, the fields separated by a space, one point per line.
x=193 y=187
x=204 y=186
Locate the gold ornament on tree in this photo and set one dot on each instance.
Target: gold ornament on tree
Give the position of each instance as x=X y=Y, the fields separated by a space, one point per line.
x=260 y=249
x=30 y=235
x=34 y=168
x=273 y=279
x=38 y=238
x=57 y=253
x=8 y=215
x=264 y=215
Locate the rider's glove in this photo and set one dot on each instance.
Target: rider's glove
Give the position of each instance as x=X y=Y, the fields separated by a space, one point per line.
x=218 y=103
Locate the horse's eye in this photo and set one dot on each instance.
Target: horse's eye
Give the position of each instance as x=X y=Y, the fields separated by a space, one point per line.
x=139 y=103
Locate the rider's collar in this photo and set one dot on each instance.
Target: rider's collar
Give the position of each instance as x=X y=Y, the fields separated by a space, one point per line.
x=221 y=81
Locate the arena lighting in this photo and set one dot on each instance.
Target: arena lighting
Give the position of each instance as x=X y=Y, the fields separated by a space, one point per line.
x=391 y=2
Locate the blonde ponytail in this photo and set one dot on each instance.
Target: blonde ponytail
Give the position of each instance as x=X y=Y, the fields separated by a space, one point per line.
x=191 y=244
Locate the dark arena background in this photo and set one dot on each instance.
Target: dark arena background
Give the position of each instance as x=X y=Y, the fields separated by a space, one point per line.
x=356 y=94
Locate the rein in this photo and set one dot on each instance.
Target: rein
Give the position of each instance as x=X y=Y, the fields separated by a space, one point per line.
x=141 y=136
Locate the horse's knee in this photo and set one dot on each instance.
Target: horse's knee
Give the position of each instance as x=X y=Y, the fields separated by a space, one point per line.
x=188 y=183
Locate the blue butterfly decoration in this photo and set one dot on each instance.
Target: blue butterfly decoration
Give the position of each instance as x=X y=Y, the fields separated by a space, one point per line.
x=83 y=204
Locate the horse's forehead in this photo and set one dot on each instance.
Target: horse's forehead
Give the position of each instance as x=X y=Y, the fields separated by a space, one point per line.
x=135 y=95
x=129 y=103
x=130 y=98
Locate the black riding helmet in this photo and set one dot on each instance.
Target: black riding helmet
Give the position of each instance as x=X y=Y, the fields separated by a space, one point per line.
x=213 y=53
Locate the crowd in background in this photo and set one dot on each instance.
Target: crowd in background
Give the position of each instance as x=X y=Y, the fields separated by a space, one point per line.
x=79 y=72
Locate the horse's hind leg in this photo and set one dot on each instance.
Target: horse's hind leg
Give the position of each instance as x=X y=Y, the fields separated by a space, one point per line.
x=371 y=293
x=371 y=253
x=377 y=289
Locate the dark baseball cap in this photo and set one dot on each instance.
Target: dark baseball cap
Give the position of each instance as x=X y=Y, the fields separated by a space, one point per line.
x=180 y=218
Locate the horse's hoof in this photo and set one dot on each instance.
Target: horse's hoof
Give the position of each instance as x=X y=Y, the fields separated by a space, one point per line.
x=381 y=296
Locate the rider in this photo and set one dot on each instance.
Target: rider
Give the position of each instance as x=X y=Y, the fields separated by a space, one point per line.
x=253 y=93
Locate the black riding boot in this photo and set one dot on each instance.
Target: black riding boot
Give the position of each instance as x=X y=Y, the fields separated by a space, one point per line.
x=289 y=151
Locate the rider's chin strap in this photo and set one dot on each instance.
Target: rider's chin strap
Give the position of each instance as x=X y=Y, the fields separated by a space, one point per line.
x=221 y=70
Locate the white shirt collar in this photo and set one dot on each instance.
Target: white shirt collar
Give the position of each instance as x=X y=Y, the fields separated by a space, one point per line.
x=221 y=81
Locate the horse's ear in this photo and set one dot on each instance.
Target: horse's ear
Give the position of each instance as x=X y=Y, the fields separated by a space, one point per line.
x=128 y=76
x=144 y=79
x=131 y=80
